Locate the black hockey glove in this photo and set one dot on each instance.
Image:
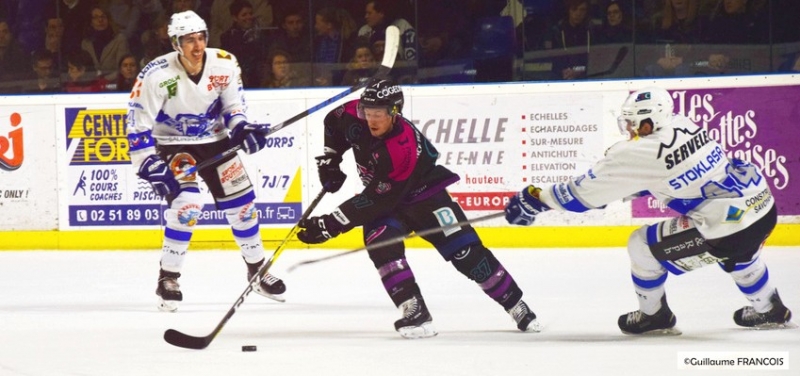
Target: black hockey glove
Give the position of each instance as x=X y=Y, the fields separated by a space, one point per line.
x=523 y=207
x=319 y=229
x=158 y=173
x=252 y=137
x=330 y=175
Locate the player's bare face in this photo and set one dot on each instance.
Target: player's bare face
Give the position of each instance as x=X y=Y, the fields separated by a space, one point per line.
x=194 y=47
x=379 y=121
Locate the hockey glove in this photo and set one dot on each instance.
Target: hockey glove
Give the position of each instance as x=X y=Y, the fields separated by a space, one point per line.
x=319 y=229
x=252 y=137
x=523 y=207
x=158 y=173
x=330 y=175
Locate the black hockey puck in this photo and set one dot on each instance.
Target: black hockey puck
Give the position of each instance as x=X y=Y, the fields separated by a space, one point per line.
x=249 y=348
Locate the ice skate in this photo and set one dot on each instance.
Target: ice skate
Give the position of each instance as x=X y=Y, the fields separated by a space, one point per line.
x=524 y=317
x=416 y=321
x=168 y=291
x=270 y=286
x=776 y=318
x=661 y=323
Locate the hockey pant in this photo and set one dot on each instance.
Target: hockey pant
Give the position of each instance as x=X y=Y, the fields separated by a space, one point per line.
x=461 y=246
x=677 y=247
x=233 y=194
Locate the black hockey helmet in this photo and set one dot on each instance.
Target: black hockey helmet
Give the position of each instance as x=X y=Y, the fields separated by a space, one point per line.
x=381 y=93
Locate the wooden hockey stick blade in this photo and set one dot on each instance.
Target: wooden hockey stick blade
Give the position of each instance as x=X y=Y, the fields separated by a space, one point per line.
x=389 y=57
x=176 y=338
x=398 y=239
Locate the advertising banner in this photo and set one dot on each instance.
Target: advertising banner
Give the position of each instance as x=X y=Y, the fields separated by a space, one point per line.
x=103 y=191
x=501 y=143
x=28 y=181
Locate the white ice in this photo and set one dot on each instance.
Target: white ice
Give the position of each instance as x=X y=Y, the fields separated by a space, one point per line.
x=94 y=313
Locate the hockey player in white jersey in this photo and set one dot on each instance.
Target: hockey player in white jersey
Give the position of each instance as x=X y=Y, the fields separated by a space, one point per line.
x=188 y=106
x=727 y=211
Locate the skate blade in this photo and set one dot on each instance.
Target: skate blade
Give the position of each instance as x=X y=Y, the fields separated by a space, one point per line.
x=276 y=297
x=775 y=326
x=167 y=305
x=425 y=330
x=534 y=326
x=657 y=332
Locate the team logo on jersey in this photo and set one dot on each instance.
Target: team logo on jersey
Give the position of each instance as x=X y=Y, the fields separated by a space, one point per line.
x=219 y=81
x=446 y=217
x=222 y=54
x=678 y=154
x=189 y=214
x=383 y=187
x=734 y=214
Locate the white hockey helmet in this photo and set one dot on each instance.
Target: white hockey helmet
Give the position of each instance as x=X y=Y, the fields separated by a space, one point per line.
x=184 y=23
x=652 y=104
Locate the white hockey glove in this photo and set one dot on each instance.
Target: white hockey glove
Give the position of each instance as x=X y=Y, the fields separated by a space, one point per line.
x=523 y=207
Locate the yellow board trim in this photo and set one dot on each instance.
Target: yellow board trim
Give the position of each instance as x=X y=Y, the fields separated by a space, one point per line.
x=499 y=237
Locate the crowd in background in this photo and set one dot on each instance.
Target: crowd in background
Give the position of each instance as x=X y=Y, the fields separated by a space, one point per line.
x=49 y=46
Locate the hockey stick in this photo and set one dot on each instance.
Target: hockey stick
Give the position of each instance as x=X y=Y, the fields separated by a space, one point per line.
x=179 y=339
x=623 y=51
x=398 y=239
x=389 y=56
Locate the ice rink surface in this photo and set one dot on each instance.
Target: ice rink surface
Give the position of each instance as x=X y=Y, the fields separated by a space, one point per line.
x=94 y=313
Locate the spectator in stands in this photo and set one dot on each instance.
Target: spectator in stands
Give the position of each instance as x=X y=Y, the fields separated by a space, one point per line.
x=76 y=16
x=279 y=72
x=125 y=17
x=53 y=37
x=678 y=23
x=382 y=13
x=82 y=77
x=14 y=61
x=362 y=66
x=333 y=44
x=335 y=30
x=221 y=19
x=44 y=78
x=293 y=36
x=677 y=27
x=442 y=39
x=27 y=23
x=573 y=35
x=178 y=6
x=104 y=45
x=616 y=26
x=127 y=70
x=733 y=22
x=156 y=40
x=245 y=41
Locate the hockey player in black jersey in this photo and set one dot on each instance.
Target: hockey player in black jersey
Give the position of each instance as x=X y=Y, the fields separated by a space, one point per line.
x=727 y=211
x=404 y=191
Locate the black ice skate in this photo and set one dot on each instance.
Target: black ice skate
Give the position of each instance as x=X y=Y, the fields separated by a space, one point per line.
x=524 y=317
x=416 y=321
x=662 y=322
x=777 y=318
x=270 y=286
x=168 y=291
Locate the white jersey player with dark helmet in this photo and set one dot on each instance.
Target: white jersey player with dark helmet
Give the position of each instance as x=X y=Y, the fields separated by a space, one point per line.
x=727 y=211
x=188 y=106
